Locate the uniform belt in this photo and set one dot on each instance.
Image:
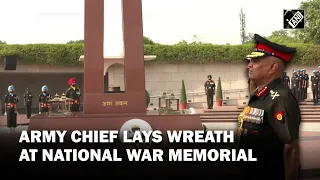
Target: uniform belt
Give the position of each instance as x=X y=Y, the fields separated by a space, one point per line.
x=44 y=105
x=11 y=105
x=74 y=102
x=250 y=132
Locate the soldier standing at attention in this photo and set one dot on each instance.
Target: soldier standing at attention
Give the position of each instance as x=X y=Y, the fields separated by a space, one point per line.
x=301 y=86
x=209 y=88
x=286 y=79
x=306 y=84
x=74 y=94
x=11 y=111
x=295 y=84
x=315 y=80
x=44 y=97
x=28 y=102
x=269 y=125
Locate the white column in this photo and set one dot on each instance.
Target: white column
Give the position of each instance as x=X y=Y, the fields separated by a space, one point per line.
x=113 y=37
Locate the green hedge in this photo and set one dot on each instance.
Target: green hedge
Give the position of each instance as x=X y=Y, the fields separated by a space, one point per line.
x=68 y=54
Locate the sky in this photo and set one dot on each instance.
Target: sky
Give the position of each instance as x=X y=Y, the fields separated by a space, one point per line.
x=165 y=21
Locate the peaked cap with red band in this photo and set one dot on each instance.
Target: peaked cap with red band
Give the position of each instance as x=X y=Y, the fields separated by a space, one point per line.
x=266 y=48
x=71 y=81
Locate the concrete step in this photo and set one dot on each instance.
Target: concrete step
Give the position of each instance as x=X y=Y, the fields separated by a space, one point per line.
x=220 y=117
x=228 y=116
x=222 y=112
x=228 y=120
x=309 y=110
x=303 y=112
x=311 y=113
x=301 y=106
x=310 y=106
x=218 y=120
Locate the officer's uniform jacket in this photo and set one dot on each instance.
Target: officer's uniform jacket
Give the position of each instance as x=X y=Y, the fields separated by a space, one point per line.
x=74 y=94
x=315 y=80
x=270 y=121
x=210 y=85
x=11 y=101
x=306 y=78
x=44 y=100
x=295 y=81
x=286 y=80
x=28 y=97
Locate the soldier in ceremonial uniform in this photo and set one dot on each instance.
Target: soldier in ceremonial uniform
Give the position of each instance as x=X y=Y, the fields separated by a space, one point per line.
x=301 y=86
x=28 y=102
x=74 y=94
x=315 y=80
x=295 y=84
x=209 y=88
x=286 y=79
x=11 y=111
x=305 y=83
x=269 y=125
x=44 y=97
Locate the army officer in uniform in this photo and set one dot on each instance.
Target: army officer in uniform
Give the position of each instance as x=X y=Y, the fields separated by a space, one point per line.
x=209 y=88
x=74 y=94
x=44 y=97
x=28 y=102
x=315 y=79
x=269 y=125
x=10 y=108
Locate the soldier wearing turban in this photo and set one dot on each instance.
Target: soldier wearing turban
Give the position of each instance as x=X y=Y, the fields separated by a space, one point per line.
x=73 y=92
x=44 y=97
x=10 y=105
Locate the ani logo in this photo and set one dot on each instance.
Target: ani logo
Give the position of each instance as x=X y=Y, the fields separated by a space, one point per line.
x=132 y=127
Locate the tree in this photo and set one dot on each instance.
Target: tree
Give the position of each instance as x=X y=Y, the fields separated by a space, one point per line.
x=3 y=42
x=183 y=94
x=280 y=37
x=219 y=96
x=196 y=39
x=148 y=41
x=183 y=42
x=283 y=37
x=310 y=33
x=75 y=42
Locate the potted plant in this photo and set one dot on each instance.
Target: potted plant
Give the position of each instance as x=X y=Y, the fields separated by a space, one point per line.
x=147 y=98
x=219 y=97
x=183 y=96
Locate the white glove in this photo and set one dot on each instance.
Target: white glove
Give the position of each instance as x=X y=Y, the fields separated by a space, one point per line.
x=5 y=114
x=17 y=113
x=39 y=112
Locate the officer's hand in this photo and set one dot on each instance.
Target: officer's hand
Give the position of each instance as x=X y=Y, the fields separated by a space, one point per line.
x=5 y=114
x=17 y=113
x=39 y=112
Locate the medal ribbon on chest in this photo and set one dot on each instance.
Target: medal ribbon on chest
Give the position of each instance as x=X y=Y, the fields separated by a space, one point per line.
x=251 y=115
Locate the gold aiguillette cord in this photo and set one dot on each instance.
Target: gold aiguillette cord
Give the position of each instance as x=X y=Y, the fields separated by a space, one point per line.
x=240 y=124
